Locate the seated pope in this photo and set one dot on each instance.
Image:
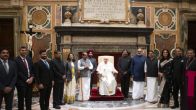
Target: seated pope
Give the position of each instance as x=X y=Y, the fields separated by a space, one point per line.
x=107 y=81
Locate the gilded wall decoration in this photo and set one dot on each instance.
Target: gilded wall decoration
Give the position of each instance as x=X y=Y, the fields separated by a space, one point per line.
x=40 y=16
x=164 y=41
x=43 y=43
x=165 y=19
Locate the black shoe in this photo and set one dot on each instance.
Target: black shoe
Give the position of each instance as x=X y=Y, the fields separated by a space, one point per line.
x=62 y=103
x=57 y=107
x=175 y=106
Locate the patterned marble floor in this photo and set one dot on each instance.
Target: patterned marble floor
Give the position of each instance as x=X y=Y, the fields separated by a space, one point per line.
x=100 y=105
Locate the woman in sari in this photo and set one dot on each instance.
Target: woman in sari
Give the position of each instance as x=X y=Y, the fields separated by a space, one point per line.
x=165 y=73
x=70 y=70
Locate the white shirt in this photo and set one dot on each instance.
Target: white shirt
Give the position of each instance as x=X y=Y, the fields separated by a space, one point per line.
x=25 y=61
x=45 y=62
x=5 y=62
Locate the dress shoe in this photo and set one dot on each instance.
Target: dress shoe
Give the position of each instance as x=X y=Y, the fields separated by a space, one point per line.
x=62 y=103
x=57 y=107
x=175 y=106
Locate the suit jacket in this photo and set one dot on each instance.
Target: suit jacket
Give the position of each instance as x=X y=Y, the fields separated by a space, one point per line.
x=68 y=70
x=10 y=78
x=58 y=69
x=43 y=73
x=22 y=70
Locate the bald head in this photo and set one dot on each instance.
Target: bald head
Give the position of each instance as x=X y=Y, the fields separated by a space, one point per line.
x=84 y=55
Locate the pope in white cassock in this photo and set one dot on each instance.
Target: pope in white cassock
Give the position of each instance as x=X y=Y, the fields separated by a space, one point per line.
x=107 y=81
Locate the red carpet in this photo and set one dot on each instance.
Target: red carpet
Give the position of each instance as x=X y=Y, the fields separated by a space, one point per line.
x=95 y=96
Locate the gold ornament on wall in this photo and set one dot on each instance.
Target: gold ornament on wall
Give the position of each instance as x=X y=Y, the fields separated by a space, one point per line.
x=40 y=16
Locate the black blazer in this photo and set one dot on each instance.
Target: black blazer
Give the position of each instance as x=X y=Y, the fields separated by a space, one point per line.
x=43 y=73
x=58 y=69
x=8 y=79
x=22 y=70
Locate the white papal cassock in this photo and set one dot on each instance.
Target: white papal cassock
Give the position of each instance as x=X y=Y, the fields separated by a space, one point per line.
x=107 y=81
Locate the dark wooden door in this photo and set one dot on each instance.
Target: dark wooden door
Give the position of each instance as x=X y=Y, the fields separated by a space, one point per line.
x=7 y=35
x=192 y=34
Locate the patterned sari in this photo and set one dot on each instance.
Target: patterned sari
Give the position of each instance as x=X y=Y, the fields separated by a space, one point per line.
x=70 y=86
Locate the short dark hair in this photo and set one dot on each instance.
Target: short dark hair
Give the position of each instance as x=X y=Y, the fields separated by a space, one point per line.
x=1 y=49
x=150 y=51
x=41 y=51
x=126 y=51
x=56 y=52
x=191 y=50
x=23 y=47
x=180 y=49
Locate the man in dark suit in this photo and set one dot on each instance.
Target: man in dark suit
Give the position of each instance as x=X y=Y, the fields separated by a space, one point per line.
x=25 y=79
x=8 y=76
x=124 y=66
x=177 y=69
x=44 y=78
x=58 y=69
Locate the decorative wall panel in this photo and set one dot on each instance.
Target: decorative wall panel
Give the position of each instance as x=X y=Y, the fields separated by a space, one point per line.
x=165 y=19
x=39 y=16
x=164 y=41
x=43 y=43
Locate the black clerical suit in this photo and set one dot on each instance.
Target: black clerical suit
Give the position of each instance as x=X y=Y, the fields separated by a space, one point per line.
x=178 y=64
x=7 y=79
x=44 y=76
x=58 y=69
x=24 y=90
x=124 y=65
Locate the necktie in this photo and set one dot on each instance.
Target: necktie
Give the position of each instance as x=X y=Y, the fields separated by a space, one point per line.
x=25 y=63
x=46 y=63
x=5 y=67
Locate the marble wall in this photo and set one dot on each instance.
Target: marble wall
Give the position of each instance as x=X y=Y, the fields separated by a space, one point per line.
x=163 y=16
